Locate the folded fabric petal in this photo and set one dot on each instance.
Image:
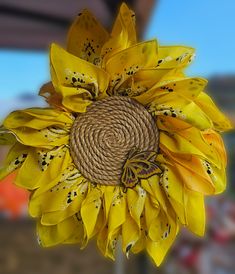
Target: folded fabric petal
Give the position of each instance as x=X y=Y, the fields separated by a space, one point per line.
x=39 y=127
x=78 y=81
x=86 y=37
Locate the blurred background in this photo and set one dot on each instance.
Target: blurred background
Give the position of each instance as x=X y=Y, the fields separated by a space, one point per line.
x=27 y=27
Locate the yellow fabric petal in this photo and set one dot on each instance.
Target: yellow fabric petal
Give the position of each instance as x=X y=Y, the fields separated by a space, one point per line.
x=188 y=87
x=151 y=212
x=158 y=197
x=40 y=127
x=69 y=187
x=102 y=240
x=108 y=192
x=6 y=137
x=216 y=142
x=107 y=245
x=52 y=97
x=155 y=232
x=171 y=124
x=53 y=235
x=60 y=168
x=191 y=142
x=125 y=21
x=139 y=245
x=90 y=209
x=76 y=100
x=123 y=34
x=175 y=56
x=160 y=227
x=86 y=37
x=221 y=122
x=78 y=235
x=117 y=216
x=117 y=213
x=77 y=80
x=195 y=210
x=169 y=229
x=56 y=217
x=64 y=205
x=216 y=172
x=197 y=139
x=61 y=191
x=14 y=160
x=100 y=221
x=191 y=172
x=138 y=84
x=184 y=200
x=174 y=105
x=124 y=64
x=218 y=177
x=130 y=234
x=37 y=118
x=41 y=166
x=174 y=188
x=136 y=199
x=29 y=172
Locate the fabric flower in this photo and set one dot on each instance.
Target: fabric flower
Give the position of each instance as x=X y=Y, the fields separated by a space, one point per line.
x=128 y=148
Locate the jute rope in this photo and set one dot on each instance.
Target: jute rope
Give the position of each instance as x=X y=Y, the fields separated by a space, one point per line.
x=102 y=137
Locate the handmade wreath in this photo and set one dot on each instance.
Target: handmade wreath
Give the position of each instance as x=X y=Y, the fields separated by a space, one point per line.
x=128 y=147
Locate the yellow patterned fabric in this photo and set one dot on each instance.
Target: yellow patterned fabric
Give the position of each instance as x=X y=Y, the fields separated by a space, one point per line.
x=191 y=157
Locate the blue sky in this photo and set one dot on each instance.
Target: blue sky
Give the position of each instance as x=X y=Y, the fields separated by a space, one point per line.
x=207 y=25
x=22 y=72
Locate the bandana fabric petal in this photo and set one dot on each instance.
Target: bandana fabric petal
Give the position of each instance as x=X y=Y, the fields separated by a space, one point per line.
x=78 y=81
x=86 y=37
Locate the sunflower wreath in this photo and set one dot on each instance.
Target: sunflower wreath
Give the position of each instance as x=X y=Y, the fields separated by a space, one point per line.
x=128 y=147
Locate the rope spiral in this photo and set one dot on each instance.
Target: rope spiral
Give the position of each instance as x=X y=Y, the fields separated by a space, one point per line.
x=102 y=138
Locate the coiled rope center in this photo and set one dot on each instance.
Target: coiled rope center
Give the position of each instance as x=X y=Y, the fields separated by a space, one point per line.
x=102 y=138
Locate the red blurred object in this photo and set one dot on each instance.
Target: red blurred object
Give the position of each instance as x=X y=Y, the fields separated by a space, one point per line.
x=222 y=237
x=191 y=259
x=13 y=200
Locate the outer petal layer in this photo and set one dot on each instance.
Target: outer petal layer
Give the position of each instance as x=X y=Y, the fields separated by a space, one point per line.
x=86 y=37
x=40 y=127
x=123 y=34
x=78 y=81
